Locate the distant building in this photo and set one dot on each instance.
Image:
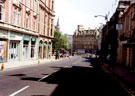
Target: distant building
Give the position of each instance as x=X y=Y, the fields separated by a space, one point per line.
x=57 y=27
x=85 y=41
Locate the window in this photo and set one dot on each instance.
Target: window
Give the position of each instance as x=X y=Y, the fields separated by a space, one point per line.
x=16 y=16
x=1 y=12
x=34 y=25
x=28 y=3
x=35 y=5
x=27 y=21
x=52 y=5
x=47 y=3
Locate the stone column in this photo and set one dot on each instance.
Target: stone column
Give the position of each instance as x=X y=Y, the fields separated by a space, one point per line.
x=29 y=49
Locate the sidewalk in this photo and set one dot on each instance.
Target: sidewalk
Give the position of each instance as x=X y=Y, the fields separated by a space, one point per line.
x=125 y=75
x=16 y=64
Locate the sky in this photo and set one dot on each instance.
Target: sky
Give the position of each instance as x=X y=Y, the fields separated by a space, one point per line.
x=82 y=12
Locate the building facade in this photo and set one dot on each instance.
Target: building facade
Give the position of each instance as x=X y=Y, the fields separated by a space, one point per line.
x=25 y=28
x=126 y=37
x=85 y=41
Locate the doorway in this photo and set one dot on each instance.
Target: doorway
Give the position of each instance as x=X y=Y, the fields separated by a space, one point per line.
x=14 y=51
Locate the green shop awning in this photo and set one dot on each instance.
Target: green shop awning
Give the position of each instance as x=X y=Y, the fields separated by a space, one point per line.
x=26 y=38
x=40 y=44
x=49 y=44
x=33 y=39
x=45 y=44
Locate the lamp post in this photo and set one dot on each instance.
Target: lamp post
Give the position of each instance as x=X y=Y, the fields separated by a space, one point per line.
x=106 y=18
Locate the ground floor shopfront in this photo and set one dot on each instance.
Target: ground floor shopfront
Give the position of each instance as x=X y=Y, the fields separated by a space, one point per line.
x=15 y=46
x=44 y=48
x=126 y=55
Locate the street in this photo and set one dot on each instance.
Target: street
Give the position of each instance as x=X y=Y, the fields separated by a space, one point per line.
x=68 y=77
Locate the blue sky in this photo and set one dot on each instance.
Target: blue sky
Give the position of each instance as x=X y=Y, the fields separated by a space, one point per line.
x=74 y=12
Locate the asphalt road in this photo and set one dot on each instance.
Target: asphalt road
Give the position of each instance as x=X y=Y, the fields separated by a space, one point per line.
x=68 y=77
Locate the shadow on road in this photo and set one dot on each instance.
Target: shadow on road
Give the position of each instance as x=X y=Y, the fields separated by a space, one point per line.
x=83 y=81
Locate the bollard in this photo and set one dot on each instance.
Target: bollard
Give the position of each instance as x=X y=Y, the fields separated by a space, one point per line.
x=2 y=67
x=38 y=61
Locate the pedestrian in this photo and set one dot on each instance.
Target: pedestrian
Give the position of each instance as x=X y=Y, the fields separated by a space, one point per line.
x=108 y=59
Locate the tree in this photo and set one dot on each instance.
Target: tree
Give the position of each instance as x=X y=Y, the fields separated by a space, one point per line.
x=57 y=41
x=60 y=41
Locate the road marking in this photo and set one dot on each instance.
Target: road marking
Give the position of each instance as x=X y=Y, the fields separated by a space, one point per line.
x=132 y=93
x=19 y=91
x=43 y=77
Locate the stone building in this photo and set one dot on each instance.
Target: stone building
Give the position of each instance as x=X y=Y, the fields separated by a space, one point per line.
x=26 y=29
x=126 y=37
x=85 y=41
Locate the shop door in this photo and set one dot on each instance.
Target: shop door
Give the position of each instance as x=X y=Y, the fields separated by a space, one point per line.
x=25 y=52
x=13 y=51
x=32 y=51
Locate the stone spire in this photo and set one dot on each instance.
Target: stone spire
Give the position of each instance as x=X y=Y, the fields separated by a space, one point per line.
x=57 y=26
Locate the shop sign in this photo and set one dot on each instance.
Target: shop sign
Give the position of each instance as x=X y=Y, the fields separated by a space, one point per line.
x=26 y=38
x=15 y=37
x=12 y=36
x=33 y=39
x=3 y=34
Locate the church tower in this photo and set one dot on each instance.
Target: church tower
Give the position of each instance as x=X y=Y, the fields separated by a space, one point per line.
x=57 y=27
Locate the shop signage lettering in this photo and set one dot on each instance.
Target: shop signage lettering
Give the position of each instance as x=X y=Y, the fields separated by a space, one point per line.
x=12 y=36
x=26 y=38
x=15 y=37
x=33 y=39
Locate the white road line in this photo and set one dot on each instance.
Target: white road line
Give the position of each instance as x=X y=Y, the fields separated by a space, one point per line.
x=19 y=91
x=43 y=77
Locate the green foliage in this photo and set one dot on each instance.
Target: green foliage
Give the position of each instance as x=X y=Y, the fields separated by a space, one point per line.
x=60 y=41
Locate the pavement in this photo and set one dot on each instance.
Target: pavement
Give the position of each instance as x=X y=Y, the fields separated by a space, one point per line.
x=126 y=76
x=16 y=64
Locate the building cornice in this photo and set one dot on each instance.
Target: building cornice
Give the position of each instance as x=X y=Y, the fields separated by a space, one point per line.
x=17 y=29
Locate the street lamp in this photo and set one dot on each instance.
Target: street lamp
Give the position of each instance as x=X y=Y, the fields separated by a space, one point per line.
x=106 y=18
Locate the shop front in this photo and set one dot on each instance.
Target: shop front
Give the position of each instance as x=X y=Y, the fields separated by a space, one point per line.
x=14 y=46
x=3 y=46
x=33 y=47
x=26 y=46
x=40 y=50
x=49 y=50
x=45 y=50
x=3 y=50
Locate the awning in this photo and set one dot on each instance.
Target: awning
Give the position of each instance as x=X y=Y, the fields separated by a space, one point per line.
x=40 y=44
